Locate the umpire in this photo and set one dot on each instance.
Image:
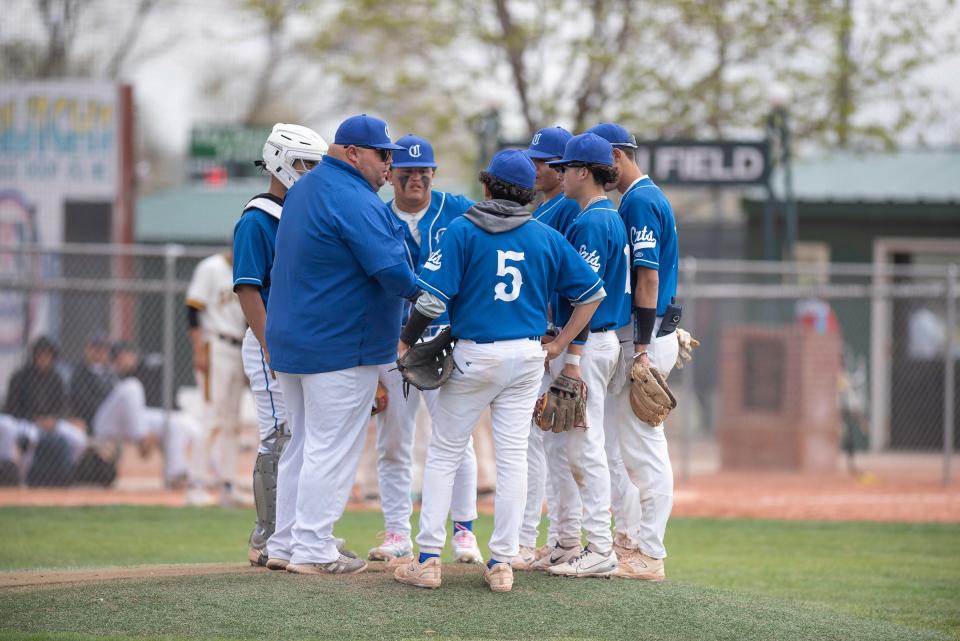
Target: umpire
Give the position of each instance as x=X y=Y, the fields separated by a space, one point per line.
x=338 y=282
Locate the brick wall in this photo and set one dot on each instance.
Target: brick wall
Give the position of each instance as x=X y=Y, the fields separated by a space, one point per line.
x=778 y=398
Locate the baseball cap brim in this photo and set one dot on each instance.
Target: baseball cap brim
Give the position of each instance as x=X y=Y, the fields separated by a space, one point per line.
x=533 y=153
x=558 y=163
x=430 y=165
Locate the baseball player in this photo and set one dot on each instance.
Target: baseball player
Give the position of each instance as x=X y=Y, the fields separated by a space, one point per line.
x=289 y=152
x=598 y=235
x=125 y=417
x=339 y=279
x=652 y=232
x=494 y=271
x=217 y=326
x=425 y=214
x=557 y=211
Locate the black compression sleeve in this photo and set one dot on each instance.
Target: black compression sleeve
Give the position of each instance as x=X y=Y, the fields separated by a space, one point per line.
x=193 y=317
x=643 y=321
x=415 y=326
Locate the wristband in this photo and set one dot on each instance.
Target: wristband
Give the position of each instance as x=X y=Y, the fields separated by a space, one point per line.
x=644 y=319
x=572 y=359
x=415 y=326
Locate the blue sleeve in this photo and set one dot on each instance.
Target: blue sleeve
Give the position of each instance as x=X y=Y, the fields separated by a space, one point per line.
x=398 y=280
x=645 y=228
x=443 y=272
x=374 y=239
x=252 y=252
x=576 y=280
x=590 y=242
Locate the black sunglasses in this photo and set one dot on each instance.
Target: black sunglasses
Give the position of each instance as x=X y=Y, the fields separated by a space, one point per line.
x=563 y=168
x=386 y=155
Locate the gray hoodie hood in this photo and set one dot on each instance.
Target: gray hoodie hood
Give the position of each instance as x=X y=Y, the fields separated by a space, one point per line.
x=497 y=216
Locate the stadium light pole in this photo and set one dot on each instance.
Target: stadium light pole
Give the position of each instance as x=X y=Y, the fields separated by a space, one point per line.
x=778 y=123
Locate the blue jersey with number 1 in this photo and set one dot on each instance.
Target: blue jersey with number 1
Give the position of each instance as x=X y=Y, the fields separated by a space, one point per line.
x=598 y=235
x=497 y=286
x=648 y=218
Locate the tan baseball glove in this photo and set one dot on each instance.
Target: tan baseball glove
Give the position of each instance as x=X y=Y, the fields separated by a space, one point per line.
x=563 y=407
x=687 y=344
x=650 y=398
x=380 y=400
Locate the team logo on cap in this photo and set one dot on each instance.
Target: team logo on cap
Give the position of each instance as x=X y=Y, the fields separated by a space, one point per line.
x=414 y=151
x=536 y=139
x=386 y=130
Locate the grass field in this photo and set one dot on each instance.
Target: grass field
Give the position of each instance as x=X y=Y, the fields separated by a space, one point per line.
x=728 y=579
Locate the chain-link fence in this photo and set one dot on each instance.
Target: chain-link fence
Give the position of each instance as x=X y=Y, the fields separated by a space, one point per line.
x=799 y=363
x=94 y=359
x=802 y=362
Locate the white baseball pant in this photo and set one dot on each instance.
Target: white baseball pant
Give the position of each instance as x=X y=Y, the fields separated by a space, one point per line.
x=586 y=457
x=506 y=376
x=267 y=397
x=644 y=451
x=124 y=417
x=327 y=414
x=539 y=483
x=395 y=435
x=223 y=392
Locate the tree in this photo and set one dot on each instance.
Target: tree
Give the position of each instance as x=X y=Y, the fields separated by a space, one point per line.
x=53 y=52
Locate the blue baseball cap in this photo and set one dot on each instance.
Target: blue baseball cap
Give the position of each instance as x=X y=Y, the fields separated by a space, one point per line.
x=364 y=131
x=513 y=166
x=416 y=152
x=549 y=142
x=615 y=134
x=586 y=148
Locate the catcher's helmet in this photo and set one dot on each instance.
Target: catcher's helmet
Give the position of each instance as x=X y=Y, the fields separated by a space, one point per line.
x=287 y=144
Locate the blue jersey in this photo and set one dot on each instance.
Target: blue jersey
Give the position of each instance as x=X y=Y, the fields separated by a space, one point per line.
x=558 y=212
x=597 y=234
x=254 y=242
x=444 y=209
x=326 y=310
x=652 y=232
x=497 y=285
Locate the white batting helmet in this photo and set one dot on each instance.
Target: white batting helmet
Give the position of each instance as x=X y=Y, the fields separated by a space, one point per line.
x=288 y=144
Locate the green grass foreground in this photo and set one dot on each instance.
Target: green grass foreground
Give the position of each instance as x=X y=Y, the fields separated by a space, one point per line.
x=728 y=579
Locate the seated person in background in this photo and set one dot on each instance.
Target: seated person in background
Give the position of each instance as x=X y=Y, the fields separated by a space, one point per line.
x=36 y=391
x=91 y=382
x=37 y=397
x=124 y=417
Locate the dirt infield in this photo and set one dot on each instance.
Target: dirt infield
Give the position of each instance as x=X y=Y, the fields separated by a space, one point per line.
x=902 y=488
x=28 y=579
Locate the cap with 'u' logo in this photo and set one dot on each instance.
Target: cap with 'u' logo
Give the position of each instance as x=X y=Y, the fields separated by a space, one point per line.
x=549 y=142
x=417 y=152
x=364 y=131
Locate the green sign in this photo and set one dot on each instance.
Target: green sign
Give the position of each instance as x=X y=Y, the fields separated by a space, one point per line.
x=227 y=144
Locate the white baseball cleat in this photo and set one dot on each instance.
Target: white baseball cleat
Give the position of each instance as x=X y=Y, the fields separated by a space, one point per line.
x=198 y=497
x=556 y=556
x=525 y=558
x=343 y=565
x=588 y=563
x=640 y=566
x=421 y=575
x=394 y=549
x=499 y=577
x=465 y=548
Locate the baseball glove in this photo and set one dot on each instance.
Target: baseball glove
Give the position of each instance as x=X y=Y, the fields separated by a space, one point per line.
x=380 y=400
x=563 y=407
x=428 y=365
x=650 y=398
x=687 y=344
